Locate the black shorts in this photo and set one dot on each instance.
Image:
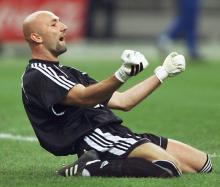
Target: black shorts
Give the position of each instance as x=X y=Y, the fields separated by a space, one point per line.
x=115 y=141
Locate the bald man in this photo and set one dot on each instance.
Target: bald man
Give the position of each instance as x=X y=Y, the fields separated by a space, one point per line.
x=45 y=34
x=70 y=112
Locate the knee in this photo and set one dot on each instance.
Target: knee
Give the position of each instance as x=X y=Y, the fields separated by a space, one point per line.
x=169 y=167
x=176 y=162
x=171 y=164
x=169 y=158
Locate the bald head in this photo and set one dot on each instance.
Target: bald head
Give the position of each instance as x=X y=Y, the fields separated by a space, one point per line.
x=34 y=23
x=45 y=34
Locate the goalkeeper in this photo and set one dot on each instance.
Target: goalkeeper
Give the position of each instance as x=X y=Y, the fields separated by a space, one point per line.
x=70 y=112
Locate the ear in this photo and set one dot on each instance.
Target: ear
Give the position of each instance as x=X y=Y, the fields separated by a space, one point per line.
x=36 y=38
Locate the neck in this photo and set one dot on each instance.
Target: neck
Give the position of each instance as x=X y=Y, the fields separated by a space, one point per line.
x=43 y=54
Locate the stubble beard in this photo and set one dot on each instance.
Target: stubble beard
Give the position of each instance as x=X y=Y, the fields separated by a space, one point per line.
x=60 y=49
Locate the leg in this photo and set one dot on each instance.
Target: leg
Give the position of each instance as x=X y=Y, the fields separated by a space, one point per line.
x=191 y=160
x=89 y=164
x=191 y=20
x=151 y=152
x=119 y=148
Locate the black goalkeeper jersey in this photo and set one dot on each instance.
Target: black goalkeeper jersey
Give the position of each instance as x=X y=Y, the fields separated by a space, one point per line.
x=58 y=127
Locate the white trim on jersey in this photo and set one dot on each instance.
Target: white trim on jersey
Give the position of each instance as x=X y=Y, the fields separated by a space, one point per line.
x=108 y=142
x=52 y=75
x=66 y=81
x=22 y=86
x=56 y=113
x=60 y=70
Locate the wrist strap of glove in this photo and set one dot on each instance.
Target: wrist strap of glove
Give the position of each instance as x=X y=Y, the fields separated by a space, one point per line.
x=161 y=73
x=121 y=75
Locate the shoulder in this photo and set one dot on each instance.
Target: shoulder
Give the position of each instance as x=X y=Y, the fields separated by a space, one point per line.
x=31 y=73
x=36 y=72
x=39 y=70
x=51 y=74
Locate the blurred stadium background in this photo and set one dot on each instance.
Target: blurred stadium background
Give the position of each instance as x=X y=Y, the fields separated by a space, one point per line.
x=131 y=24
x=185 y=108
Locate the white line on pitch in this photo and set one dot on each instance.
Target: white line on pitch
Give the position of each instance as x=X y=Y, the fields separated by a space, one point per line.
x=9 y=136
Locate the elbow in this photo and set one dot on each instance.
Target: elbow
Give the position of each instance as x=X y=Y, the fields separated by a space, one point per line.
x=87 y=103
x=126 y=108
x=78 y=101
x=124 y=105
x=78 y=96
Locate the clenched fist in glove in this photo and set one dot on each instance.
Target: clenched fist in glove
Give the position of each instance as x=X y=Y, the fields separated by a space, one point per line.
x=133 y=63
x=173 y=65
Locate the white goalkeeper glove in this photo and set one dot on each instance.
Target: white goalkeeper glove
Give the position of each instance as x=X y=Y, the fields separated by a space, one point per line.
x=172 y=65
x=133 y=63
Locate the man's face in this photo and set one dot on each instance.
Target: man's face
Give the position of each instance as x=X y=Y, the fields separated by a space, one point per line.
x=53 y=33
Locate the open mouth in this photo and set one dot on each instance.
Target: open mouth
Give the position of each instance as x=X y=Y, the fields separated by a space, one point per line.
x=62 y=38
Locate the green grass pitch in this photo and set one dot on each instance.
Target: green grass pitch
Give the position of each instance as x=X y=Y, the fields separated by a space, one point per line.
x=185 y=108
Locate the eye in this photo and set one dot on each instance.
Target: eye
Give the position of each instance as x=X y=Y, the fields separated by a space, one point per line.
x=53 y=25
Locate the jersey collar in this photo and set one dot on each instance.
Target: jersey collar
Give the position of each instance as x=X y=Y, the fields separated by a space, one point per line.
x=43 y=61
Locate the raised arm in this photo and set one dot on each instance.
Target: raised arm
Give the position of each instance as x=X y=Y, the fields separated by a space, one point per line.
x=173 y=65
x=133 y=63
x=80 y=95
x=130 y=98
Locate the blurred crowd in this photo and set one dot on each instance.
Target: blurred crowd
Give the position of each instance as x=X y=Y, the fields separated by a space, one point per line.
x=107 y=7
x=183 y=26
x=103 y=20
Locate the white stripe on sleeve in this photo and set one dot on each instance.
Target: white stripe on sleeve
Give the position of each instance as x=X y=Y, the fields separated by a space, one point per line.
x=52 y=75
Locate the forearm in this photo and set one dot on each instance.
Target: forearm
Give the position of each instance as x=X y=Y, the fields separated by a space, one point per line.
x=172 y=66
x=137 y=93
x=93 y=94
x=101 y=91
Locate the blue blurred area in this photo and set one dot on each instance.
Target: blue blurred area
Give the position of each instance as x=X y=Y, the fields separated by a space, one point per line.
x=185 y=25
